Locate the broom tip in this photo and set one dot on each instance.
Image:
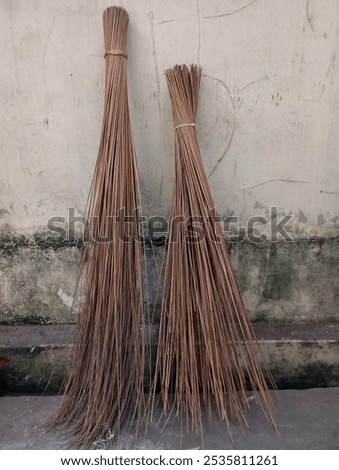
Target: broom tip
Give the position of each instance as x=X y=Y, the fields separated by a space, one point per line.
x=184 y=68
x=115 y=10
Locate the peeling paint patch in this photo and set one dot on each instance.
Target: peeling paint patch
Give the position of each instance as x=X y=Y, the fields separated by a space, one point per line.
x=321 y=220
x=301 y=216
x=67 y=299
x=258 y=205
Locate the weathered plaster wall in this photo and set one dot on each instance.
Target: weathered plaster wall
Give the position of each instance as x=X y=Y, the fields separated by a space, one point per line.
x=268 y=114
x=267 y=125
x=280 y=282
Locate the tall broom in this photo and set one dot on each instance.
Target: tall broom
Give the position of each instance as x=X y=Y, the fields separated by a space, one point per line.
x=105 y=382
x=206 y=347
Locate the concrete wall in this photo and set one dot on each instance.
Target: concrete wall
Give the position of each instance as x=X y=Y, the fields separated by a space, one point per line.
x=290 y=282
x=268 y=114
x=267 y=124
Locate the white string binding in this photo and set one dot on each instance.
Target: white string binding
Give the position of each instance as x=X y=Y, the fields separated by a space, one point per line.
x=183 y=125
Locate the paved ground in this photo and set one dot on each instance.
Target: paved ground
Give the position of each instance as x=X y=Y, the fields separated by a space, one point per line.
x=307 y=419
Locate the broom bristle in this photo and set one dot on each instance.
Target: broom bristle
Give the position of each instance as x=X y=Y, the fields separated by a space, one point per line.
x=105 y=382
x=206 y=343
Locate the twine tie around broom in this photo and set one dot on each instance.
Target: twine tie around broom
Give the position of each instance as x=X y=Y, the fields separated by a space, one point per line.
x=116 y=52
x=192 y=124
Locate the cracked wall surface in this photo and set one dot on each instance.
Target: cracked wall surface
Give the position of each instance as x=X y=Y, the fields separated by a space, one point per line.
x=267 y=125
x=267 y=121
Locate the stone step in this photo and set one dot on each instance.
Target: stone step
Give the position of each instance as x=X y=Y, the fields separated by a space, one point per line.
x=300 y=355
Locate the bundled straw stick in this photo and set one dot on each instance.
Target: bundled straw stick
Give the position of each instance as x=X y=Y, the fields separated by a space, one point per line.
x=105 y=384
x=206 y=347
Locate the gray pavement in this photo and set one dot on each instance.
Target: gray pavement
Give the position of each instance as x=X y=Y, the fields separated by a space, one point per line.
x=307 y=419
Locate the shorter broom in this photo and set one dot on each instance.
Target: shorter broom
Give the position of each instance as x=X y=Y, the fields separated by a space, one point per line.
x=207 y=348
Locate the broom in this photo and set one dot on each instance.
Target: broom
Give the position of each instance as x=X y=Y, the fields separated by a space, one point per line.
x=206 y=348
x=105 y=382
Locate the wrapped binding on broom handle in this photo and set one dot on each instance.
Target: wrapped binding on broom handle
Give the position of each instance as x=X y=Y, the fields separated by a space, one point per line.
x=206 y=346
x=116 y=52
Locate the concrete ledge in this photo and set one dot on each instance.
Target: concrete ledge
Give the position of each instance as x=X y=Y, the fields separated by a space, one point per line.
x=300 y=355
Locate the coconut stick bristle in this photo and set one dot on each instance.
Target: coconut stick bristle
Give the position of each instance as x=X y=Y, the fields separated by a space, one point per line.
x=106 y=377
x=206 y=344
